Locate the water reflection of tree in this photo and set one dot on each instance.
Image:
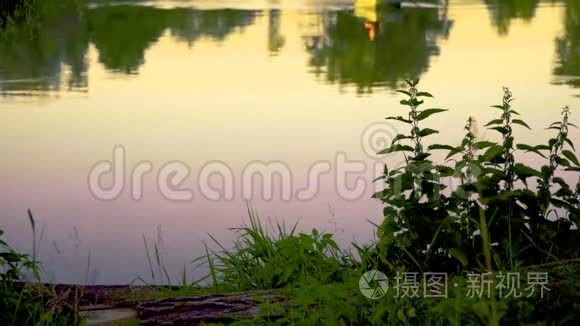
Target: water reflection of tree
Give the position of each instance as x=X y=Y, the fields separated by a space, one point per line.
x=275 y=39
x=56 y=55
x=37 y=62
x=191 y=25
x=503 y=11
x=122 y=34
x=403 y=42
x=568 y=46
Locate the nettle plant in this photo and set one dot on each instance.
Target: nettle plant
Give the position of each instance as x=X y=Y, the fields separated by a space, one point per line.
x=501 y=214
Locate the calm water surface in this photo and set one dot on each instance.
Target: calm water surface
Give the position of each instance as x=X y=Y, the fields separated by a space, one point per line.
x=297 y=82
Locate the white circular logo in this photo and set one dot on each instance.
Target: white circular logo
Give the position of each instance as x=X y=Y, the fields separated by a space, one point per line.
x=373 y=284
x=377 y=137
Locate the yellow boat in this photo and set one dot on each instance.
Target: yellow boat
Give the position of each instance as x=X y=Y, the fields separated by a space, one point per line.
x=366 y=9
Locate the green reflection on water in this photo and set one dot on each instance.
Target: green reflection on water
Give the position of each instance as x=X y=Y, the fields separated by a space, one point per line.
x=502 y=12
x=568 y=46
x=368 y=53
x=35 y=62
x=122 y=34
x=367 y=49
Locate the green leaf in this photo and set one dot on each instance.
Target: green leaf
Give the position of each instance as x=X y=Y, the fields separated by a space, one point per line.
x=501 y=130
x=404 y=92
x=515 y=112
x=439 y=146
x=380 y=194
x=494 y=122
x=445 y=171
x=529 y=148
x=570 y=143
x=424 y=94
x=526 y=171
x=399 y=118
x=11 y=256
x=333 y=244
x=416 y=102
x=412 y=82
x=574 y=169
x=426 y=132
x=396 y=148
x=459 y=255
x=560 y=203
x=401 y=316
x=381 y=177
x=562 y=161
x=410 y=102
x=521 y=123
x=420 y=157
x=561 y=182
x=570 y=156
x=399 y=137
x=497 y=106
x=492 y=152
x=426 y=113
x=483 y=144
x=454 y=151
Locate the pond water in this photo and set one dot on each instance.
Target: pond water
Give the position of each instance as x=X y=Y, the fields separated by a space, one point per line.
x=214 y=90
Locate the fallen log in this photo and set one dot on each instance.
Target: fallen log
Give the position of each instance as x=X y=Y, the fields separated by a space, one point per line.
x=193 y=310
x=110 y=305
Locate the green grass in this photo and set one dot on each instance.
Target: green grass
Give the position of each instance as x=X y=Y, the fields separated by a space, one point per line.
x=315 y=299
x=258 y=262
x=267 y=260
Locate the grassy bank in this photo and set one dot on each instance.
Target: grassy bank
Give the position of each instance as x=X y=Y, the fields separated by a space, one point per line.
x=501 y=218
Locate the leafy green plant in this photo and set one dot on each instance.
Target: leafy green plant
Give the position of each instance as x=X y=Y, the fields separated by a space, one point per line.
x=27 y=304
x=13 y=263
x=493 y=217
